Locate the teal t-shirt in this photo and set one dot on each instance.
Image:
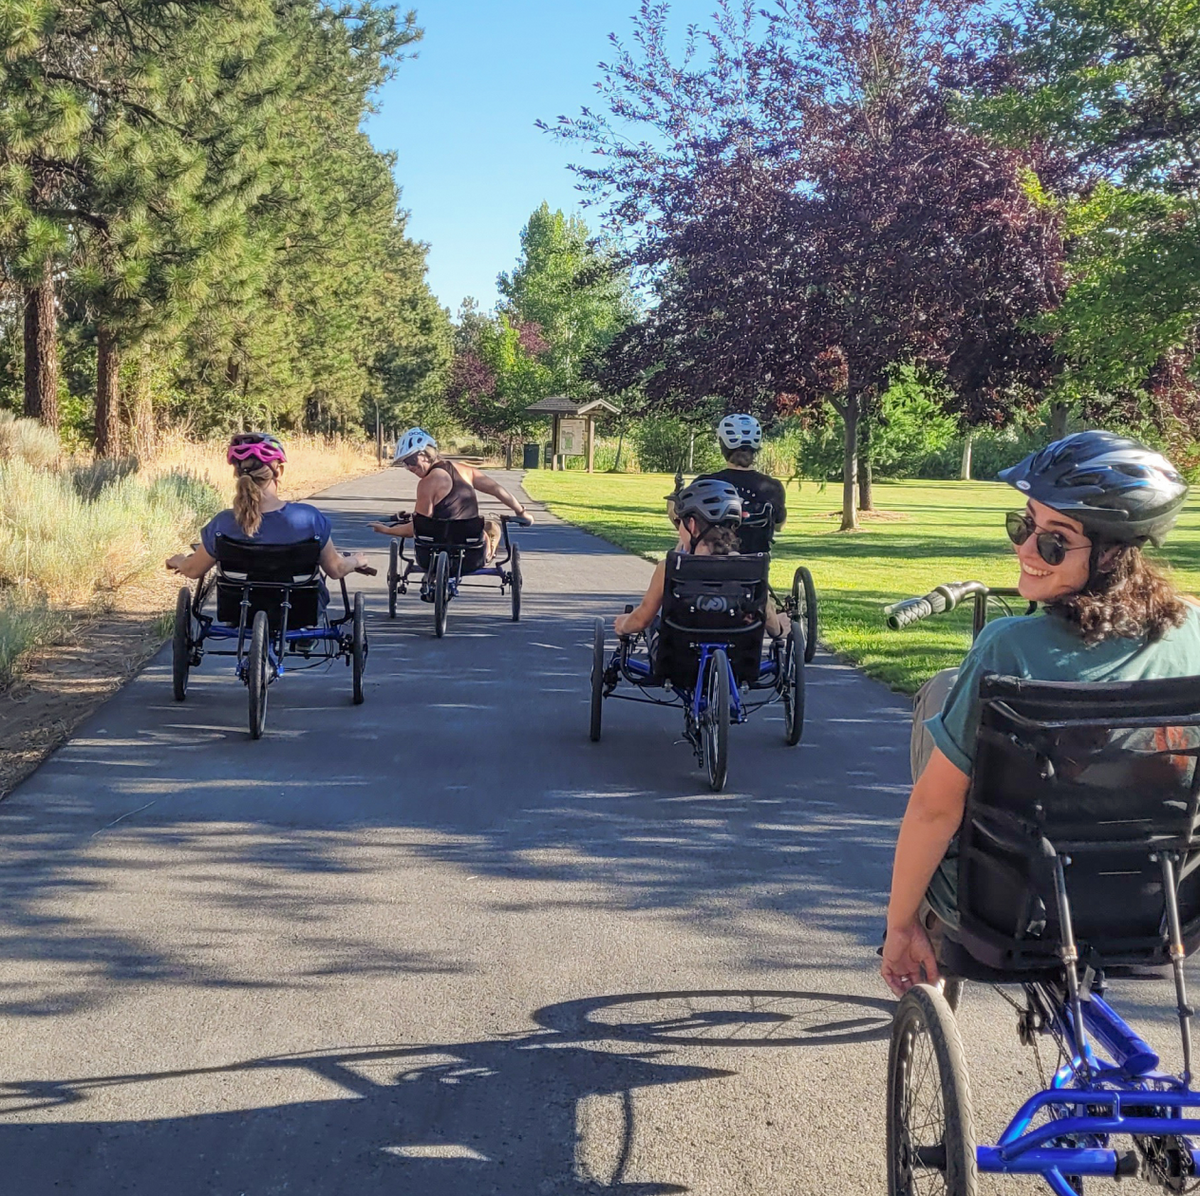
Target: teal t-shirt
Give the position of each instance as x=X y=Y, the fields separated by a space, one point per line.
x=1042 y=648
x=1048 y=648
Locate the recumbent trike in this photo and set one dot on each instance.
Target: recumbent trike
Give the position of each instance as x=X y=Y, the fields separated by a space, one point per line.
x=706 y=652
x=1078 y=864
x=269 y=607
x=445 y=551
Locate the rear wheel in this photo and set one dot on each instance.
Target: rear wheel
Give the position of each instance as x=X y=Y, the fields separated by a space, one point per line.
x=441 y=593
x=181 y=644
x=258 y=673
x=359 y=646
x=516 y=583
x=714 y=722
x=930 y=1128
x=597 y=680
x=792 y=664
x=393 y=577
x=804 y=606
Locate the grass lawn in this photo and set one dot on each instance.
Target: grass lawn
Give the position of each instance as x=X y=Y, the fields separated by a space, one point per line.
x=927 y=533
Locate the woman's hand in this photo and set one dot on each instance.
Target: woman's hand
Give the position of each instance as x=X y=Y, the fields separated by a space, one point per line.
x=384 y=529
x=619 y=623
x=175 y=561
x=907 y=953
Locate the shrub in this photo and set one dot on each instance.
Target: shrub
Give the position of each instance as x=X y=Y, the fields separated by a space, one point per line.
x=662 y=444
x=24 y=624
x=27 y=440
x=91 y=479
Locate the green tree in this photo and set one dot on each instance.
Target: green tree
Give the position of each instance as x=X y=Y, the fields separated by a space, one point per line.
x=573 y=290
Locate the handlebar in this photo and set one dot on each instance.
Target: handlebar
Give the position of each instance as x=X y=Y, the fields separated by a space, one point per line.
x=523 y=520
x=943 y=598
x=368 y=570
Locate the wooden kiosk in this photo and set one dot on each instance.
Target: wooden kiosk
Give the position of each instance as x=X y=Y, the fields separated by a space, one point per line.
x=573 y=430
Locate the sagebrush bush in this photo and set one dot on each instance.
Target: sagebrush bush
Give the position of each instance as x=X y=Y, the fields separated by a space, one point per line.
x=90 y=479
x=24 y=624
x=27 y=440
x=57 y=544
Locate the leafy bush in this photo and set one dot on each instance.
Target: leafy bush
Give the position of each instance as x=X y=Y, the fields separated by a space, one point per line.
x=92 y=479
x=24 y=624
x=662 y=444
x=27 y=440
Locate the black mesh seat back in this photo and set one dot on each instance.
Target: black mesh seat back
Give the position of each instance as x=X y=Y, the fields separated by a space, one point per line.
x=455 y=536
x=296 y=567
x=714 y=600
x=757 y=531
x=1055 y=761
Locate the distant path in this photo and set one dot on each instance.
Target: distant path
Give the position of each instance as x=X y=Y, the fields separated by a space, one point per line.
x=376 y=951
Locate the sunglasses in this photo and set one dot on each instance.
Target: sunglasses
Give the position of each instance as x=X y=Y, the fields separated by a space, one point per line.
x=410 y=461
x=1051 y=546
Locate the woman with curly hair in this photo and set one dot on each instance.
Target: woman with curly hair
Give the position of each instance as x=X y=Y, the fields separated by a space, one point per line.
x=1093 y=500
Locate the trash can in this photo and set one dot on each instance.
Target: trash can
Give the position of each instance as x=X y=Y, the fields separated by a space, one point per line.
x=530 y=456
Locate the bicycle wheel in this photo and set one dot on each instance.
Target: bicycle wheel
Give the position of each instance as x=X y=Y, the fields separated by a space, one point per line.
x=597 y=680
x=359 y=646
x=804 y=606
x=516 y=583
x=393 y=577
x=930 y=1127
x=258 y=667
x=714 y=724
x=181 y=644
x=441 y=593
x=792 y=663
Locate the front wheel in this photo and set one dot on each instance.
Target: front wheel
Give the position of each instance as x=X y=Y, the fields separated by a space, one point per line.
x=258 y=673
x=714 y=722
x=181 y=644
x=517 y=582
x=804 y=607
x=930 y=1127
x=393 y=577
x=792 y=664
x=359 y=646
x=597 y=680
x=441 y=593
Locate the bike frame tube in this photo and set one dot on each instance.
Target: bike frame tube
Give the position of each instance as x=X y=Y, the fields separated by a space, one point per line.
x=699 y=703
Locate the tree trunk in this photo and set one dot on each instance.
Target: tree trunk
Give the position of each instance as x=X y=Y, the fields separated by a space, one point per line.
x=1060 y=413
x=850 y=465
x=108 y=364
x=41 y=352
x=864 y=465
x=964 y=471
x=139 y=405
x=691 y=451
x=620 y=441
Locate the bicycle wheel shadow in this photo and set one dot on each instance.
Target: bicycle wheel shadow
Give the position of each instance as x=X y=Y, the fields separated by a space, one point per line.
x=537 y=1112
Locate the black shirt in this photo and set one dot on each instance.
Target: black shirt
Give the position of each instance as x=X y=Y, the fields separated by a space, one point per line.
x=758 y=491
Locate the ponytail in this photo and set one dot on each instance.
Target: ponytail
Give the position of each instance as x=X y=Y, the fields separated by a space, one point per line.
x=247 y=500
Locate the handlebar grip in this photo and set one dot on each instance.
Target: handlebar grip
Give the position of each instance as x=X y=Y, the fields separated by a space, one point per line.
x=523 y=520
x=910 y=611
x=369 y=570
x=629 y=608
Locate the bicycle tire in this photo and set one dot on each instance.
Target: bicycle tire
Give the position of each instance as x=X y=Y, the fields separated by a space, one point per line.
x=358 y=646
x=181 y=644
x=804 y=606
x=441 y=593
x=393 y=576
x=597 y=710
x=516 y=582
x=926 y=1046
x=793 y=686
x=715 y=720
x=258 y=665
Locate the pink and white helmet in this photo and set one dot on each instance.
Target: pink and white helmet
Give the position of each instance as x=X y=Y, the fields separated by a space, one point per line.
x=260 y=447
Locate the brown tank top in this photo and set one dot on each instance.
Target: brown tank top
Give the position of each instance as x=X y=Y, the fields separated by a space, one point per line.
x=461 y=502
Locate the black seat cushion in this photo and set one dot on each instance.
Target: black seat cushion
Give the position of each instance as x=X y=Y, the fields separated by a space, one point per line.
x=265 y=573
x=458 y=537
x=712 y=600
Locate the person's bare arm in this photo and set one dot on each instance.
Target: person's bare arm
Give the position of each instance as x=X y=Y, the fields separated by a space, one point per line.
x=193 y=565
x=934 y=814
x=431 y=489
x=643 y=614
x=487 y=485
x=337 y=566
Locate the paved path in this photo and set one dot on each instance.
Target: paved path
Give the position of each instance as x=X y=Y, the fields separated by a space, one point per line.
x=434 y=945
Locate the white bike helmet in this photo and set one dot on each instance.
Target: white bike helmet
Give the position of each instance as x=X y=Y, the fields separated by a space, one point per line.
x=740 y=431
x=413 y=441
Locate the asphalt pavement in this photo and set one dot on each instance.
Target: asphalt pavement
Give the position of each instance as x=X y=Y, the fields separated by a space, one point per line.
x=440 y=944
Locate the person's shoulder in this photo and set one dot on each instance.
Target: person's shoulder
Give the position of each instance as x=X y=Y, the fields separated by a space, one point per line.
x=304 y=513
x=1007 y=640
x=223 y=523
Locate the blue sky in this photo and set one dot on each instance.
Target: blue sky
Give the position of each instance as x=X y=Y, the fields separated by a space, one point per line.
x=461 y=120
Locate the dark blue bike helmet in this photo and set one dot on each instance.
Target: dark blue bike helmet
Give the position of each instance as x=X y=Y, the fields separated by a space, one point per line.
x=1120 y=491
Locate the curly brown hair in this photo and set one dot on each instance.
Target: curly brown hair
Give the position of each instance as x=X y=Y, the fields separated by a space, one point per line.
x=721 y=541
x=1126 y=597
